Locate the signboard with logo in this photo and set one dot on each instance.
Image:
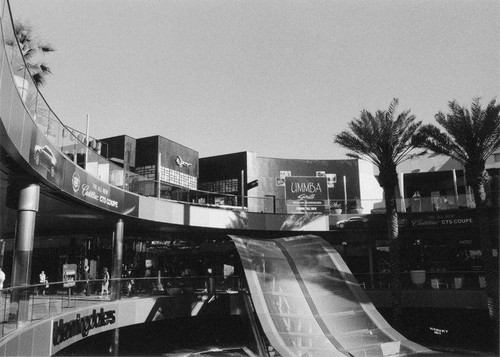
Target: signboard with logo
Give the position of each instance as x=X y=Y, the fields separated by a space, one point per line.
x=69 y=275
x=85 y=187
x=441 y=219
x=304 y=194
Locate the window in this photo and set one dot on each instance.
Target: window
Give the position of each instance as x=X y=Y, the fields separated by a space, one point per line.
x=223 y=186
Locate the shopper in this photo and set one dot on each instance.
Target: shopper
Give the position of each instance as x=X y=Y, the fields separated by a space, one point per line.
x=46 y=290
x=2 y=278
x=105 y=282
x=43 y=281
x=86 y=273
x=129 y=282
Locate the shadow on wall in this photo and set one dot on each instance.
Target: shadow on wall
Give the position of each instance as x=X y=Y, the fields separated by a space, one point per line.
x=238 y=219
x=298 y=221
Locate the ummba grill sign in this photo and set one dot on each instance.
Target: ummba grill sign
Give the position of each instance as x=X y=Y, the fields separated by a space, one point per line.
x=306 y=188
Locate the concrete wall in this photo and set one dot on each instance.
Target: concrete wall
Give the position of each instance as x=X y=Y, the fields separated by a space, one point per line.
x=372 y=195
x=201 y=216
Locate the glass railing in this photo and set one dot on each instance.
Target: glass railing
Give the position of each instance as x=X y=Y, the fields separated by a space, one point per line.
x=40 y=301
x=404 y=204
x=421 y=279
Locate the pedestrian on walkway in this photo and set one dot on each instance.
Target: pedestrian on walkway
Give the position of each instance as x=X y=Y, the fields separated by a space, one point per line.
x=43 y=280
x=105 y=281
x=86 y=274
x=2 y=278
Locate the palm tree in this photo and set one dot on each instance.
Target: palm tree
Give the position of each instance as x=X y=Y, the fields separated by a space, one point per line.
x=32 y=49
x=471 y=137
x=385 y=140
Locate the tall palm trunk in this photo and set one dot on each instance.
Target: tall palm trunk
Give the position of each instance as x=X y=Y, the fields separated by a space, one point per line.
x=479 y=194
x=394 y=253
x=491 y=275
x=477 y=180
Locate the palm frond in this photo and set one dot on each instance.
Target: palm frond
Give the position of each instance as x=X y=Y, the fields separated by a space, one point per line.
x=32 y=50
x=383 y=138
x=470 y=136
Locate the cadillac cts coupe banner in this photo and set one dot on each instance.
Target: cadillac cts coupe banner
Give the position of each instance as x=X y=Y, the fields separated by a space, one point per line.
x=84 y=186
x=306 y=194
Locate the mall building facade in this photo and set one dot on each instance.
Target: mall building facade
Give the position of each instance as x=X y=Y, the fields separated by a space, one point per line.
x=438 y=225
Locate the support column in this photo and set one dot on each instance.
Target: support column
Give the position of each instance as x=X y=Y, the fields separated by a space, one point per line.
x=116 y=342
x=117 y=260
x=401 y=184
x=29 y=197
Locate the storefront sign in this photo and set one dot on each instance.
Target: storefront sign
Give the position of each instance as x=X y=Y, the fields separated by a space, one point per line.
x=305 y=194
x=69 y=275
x=63 y=331
x=180 y=162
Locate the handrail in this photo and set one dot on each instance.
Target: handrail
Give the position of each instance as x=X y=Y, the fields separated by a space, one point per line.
x=430 y=280
x=46 y=302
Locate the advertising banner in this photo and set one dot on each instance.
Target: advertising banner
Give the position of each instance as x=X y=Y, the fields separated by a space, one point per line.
x=441 y=219
x=304 y=194
x=86 y=187
x=69 y=275
x=44 y=157
x=46 y=160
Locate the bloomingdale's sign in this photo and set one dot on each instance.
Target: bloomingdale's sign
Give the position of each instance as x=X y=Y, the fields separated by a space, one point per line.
x=63 y=331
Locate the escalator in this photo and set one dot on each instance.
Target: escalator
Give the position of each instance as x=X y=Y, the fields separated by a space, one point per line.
x=309 y=304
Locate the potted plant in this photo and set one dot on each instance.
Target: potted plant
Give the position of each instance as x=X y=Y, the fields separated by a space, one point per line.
x=336 y=207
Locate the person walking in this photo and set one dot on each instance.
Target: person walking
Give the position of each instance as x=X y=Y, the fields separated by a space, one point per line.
x=86 y=276
x=105 y=281
x=2 y=279
x=43 y=280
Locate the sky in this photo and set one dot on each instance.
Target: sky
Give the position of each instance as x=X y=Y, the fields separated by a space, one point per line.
x=279 y=78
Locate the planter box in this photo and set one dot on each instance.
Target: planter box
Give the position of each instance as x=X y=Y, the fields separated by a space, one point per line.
x=418 y=277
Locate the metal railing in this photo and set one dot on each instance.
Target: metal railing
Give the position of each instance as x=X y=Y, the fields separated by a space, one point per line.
x=421 y=279
x=27 y=304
